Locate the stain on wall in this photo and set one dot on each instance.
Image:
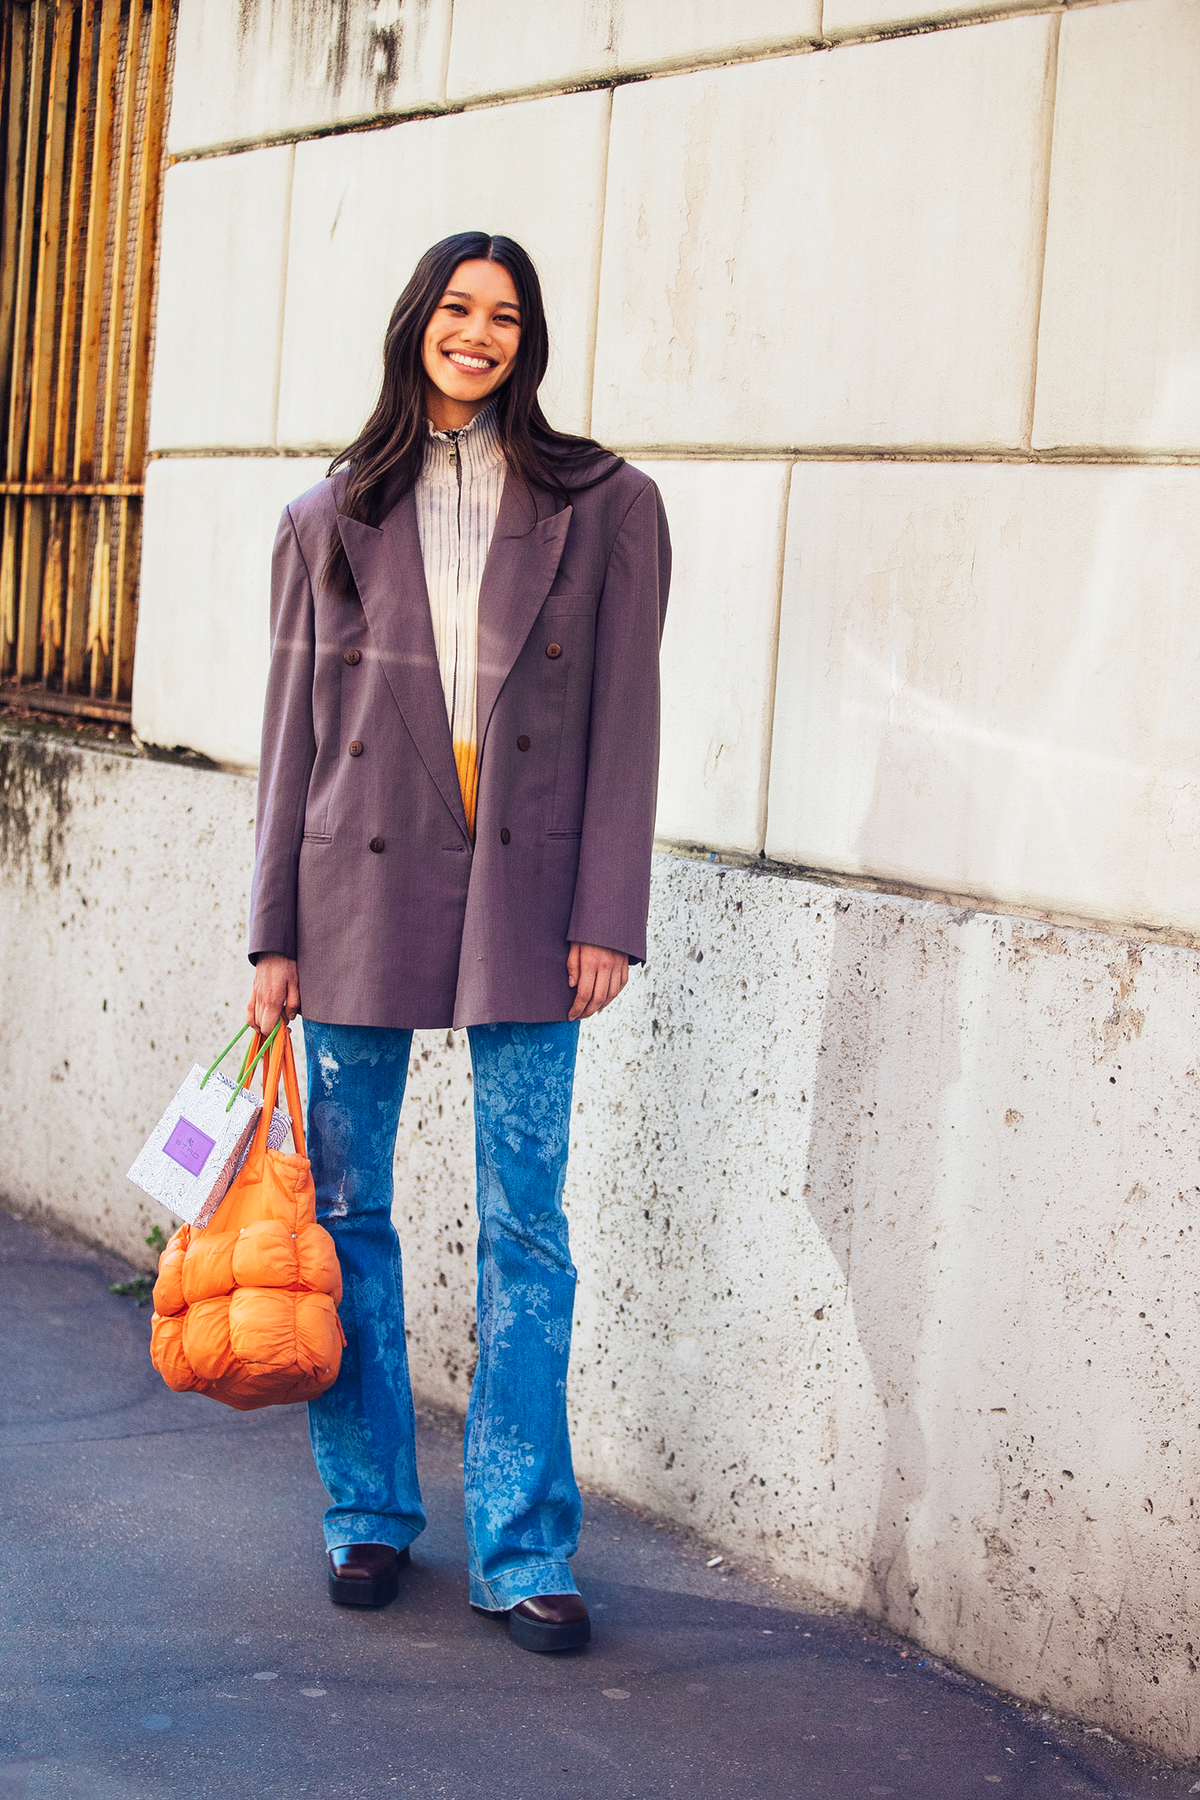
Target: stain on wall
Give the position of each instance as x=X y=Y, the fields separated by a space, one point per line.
x=35 y=805
x=248 y=70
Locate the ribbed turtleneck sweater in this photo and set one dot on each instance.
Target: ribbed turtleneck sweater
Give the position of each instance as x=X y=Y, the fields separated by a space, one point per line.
x=458 y=497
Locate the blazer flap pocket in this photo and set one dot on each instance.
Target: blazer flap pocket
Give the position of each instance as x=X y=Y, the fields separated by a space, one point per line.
x=568 y=606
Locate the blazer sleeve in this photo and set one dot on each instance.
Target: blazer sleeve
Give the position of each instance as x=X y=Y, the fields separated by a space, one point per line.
x=612 y=890
x=288 y=750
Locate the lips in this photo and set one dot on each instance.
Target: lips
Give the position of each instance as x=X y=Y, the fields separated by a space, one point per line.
x=470 y=365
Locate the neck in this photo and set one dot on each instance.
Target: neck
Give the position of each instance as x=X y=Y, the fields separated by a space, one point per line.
x=445 y=414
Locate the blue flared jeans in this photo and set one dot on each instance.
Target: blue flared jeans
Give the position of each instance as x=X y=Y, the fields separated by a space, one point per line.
x=523 y=1510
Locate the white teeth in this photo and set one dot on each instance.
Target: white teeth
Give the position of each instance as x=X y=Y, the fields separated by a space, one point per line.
x=468 y=362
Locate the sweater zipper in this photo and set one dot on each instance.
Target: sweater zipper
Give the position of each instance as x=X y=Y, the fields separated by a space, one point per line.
x=456 y=461
x=456 y=465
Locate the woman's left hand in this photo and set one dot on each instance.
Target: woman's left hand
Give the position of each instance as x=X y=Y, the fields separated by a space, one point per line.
x=597 y=976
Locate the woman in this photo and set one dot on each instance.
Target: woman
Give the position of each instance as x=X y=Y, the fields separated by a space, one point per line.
x=456 y=807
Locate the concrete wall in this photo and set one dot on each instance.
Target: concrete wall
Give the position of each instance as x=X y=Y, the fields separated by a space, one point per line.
x=870 y=1193
x=884 y=1216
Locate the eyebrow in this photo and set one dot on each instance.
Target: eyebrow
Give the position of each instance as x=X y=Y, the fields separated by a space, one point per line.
x=505 y=305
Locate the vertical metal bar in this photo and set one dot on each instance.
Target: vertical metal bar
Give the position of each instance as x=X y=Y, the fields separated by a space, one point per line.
x=77 y=593
x=19 y=43
x=51 y=635
x=29 y=587
x=100 y=610
x=79 y=569
x=64 y=403
x=141 y=318
x=93 y=274
x=72 y=511
x=142 y=306
x=17 y=20
x=124 y=610
x=8 y=586
x=49 y=244
x=116 y=314
x=30 y=555
x=38 y=586
x=98 y=600
x=26 y=246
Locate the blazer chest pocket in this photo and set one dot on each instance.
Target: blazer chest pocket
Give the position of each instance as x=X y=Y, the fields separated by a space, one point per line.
x=568 y=606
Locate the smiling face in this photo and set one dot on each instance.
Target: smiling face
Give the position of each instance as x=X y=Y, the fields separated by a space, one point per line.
x=470 y=344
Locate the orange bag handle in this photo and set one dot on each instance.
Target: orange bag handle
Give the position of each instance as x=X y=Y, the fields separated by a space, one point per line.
x=282 y=1061
x=292 y=1089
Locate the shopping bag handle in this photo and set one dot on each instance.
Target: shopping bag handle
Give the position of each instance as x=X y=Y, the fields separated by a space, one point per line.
x=249 y=1061
x=280 y=1061
x=258 y=1049
x=213 y=1067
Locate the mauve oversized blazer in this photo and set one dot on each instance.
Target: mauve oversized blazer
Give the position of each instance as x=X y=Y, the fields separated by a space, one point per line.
x=365 y=871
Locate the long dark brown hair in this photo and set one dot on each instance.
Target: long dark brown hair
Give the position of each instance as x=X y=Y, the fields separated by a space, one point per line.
x=386 y=457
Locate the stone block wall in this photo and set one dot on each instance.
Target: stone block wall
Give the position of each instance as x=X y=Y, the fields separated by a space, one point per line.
x=882 y=285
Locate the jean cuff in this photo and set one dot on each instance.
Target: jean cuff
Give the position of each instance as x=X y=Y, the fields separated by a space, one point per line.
x=368 y=1528
x=511 y=1586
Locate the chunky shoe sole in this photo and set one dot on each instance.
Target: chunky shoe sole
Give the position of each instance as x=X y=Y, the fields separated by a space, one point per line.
x=547 y=1640
x=380 y=1591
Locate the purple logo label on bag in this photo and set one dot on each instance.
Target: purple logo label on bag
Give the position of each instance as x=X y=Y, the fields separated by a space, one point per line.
x=189 y=1146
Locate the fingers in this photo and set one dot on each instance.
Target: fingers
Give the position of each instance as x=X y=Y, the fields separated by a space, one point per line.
x=584 y=983
x=609 y=982
x=267 y=1016
x=601 y=975
x=573 y=966
x=599 y=999
x=275 y=994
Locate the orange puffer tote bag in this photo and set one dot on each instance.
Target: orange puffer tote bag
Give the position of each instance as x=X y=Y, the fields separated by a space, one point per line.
x=246 y=1310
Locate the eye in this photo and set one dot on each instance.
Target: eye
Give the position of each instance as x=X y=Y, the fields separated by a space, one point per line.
x=453 y=306
x=507 y=319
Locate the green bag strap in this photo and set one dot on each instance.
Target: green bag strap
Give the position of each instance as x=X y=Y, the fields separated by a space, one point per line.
x=247 y=1070
x=247 y=1074
x=225 y=1052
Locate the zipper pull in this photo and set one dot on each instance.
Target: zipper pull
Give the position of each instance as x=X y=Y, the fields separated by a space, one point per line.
x=453 y=436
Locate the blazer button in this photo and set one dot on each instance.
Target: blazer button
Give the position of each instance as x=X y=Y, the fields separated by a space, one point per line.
x=522 y=742
x=553 y=650
x=352 y=657
x=356 y=748
x=376 y=845
x=505 y=835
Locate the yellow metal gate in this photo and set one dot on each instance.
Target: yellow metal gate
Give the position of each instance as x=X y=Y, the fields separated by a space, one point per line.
x=84 y=108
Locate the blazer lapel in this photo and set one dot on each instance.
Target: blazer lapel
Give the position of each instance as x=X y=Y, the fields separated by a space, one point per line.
x=521 y=564
x=390 y=576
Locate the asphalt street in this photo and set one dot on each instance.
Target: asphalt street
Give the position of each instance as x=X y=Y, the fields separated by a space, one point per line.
x=167 y=1632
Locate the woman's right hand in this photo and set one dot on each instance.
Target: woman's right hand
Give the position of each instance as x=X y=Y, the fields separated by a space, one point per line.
x=276 y=992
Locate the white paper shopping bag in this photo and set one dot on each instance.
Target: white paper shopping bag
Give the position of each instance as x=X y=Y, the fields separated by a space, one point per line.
x=196 y=1149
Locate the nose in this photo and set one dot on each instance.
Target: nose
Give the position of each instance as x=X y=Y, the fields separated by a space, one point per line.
x=476 y=329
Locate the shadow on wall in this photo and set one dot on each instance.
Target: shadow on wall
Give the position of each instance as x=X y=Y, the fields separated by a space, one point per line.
x=882 y=1236
x=882 y=1215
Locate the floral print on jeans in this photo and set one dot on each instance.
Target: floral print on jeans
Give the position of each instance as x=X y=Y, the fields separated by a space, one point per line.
x=522 y=1503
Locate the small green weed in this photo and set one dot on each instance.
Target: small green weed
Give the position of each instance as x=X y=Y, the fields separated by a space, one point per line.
x=142 y=1286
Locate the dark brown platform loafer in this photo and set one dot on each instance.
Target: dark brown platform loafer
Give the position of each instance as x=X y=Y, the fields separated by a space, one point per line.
x=550 y=1622
x=365 y=1574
